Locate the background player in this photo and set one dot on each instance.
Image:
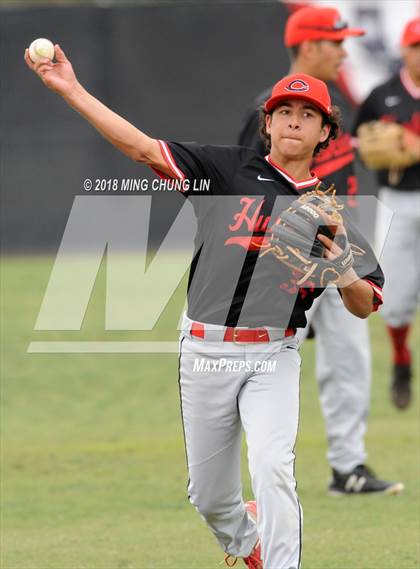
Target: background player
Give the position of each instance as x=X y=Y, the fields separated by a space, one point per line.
x=314 y=37
x=397 y=100
x=299 y=118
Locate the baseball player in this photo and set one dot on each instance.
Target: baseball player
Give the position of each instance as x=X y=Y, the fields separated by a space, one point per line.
x=397 y=101
x=314 y=37
x=250 y=319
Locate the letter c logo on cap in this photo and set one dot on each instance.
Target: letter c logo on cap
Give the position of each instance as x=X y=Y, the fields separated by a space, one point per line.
x=297 y=85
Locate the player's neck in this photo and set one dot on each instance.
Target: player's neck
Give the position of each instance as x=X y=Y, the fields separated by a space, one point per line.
x=414 y=78
x=299 y=169
x=301 y=66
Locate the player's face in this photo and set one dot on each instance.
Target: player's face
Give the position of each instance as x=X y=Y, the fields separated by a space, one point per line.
x=411 y=57
x=327 y=57
x=295 y=127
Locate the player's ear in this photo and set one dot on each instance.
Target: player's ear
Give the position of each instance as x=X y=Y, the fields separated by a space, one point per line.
x=268 y=119
x=325 y=131
x=307 y=49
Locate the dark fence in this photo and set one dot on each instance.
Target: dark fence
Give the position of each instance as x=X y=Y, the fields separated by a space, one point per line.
x=182 y=72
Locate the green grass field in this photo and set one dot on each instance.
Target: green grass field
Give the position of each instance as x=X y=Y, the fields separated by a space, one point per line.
x=93 y=465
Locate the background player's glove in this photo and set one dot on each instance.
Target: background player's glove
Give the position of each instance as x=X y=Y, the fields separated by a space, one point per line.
x=294 y=240
x=388 y=146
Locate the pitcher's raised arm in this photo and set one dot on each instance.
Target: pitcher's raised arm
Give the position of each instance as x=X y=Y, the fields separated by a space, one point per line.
x=60 y=77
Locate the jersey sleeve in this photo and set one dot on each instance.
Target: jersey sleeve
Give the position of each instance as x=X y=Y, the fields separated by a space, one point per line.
x=191 y=162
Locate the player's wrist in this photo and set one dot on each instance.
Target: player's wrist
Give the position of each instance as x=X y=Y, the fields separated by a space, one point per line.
x=348 y=278
x=74 y=94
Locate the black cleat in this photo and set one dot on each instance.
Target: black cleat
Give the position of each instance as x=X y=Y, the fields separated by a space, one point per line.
x=401 y=386
x=361 y=480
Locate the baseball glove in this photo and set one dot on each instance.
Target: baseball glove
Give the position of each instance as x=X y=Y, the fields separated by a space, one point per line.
x=294 y=240
x=388 y=146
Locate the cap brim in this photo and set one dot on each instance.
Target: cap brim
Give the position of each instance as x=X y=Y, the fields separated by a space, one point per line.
x=301 y=35
x=408 y=43
x=355 y=32
x=273 y=102
x=343 y=34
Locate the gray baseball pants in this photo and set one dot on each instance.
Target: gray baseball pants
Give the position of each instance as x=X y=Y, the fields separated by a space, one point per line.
x=343 y=371
x=224 y=387
x=400 y=259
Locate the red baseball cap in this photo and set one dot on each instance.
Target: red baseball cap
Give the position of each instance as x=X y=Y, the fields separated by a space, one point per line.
x=317 y=23
x=300 y=86
x=411 y=34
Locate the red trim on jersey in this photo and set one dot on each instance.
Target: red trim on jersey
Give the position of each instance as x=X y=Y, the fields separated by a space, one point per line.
x=377 y=295
x=333 y=165
x=298 y=185
x=170 y=161
x=161 y=174
x=409 y=84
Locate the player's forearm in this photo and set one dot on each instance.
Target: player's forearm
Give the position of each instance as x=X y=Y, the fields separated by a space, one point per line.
x=118 y=131
x=357 y=294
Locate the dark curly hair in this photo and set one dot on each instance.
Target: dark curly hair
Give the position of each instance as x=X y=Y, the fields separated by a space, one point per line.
x=334 y=120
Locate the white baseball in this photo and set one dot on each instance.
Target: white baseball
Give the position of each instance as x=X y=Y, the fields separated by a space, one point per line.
x=40 y=48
